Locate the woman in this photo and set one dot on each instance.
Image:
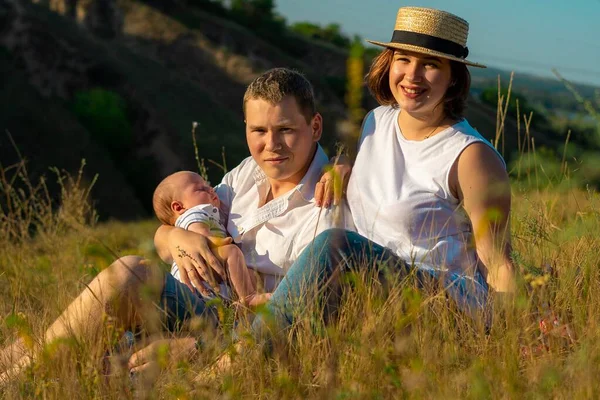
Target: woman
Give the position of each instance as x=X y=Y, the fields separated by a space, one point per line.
x=437 y=200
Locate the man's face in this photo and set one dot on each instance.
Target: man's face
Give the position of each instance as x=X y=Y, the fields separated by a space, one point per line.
x=280 y=139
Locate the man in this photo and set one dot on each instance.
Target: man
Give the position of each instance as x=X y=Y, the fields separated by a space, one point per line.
x=270 y=212
x=269 y=198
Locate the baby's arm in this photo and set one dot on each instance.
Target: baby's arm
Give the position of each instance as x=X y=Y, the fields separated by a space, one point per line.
x=199 y=227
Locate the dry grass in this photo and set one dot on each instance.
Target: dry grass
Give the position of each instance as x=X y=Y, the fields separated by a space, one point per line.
x=385 y=343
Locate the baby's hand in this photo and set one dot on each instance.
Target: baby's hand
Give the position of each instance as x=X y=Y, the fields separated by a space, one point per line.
x=215 y=241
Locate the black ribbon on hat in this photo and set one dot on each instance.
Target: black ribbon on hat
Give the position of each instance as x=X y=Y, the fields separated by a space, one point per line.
x=430 y=42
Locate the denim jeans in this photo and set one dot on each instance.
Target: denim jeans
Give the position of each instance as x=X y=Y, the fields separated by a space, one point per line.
x=335 y=251
x=178 y=304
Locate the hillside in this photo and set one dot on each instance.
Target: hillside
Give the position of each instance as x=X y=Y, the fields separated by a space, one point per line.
x=156 y=72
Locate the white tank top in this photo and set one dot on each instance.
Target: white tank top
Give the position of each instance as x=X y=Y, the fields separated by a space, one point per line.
x=399 y=194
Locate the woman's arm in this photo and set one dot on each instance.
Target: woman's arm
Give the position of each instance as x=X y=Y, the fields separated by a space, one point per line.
x=483 y=186
x=333 y=182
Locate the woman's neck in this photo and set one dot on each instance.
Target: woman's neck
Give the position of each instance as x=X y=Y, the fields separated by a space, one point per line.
x=421 y=127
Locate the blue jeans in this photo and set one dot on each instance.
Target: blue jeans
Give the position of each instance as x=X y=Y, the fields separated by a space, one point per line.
x=178 y=304
x=336 y=250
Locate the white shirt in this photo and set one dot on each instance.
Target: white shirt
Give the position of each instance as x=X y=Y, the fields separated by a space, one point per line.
x=400 y=197
x=273 y=236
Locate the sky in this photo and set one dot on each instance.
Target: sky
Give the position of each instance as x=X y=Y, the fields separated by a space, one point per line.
x=530 y=36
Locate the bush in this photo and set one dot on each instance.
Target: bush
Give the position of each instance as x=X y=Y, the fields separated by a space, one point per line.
x=539 y=121
x=215 y=7
x=104 y=114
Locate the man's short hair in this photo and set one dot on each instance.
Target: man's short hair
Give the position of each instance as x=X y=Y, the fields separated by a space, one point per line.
x=276 y=83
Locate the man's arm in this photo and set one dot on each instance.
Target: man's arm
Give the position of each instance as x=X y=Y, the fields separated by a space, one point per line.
x=161 y=243
x=200 y=228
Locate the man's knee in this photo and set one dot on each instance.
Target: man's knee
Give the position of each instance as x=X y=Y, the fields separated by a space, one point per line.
x=127 y=270
x=330 y=237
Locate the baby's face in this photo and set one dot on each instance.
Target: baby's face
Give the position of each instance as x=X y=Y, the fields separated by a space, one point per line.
x=193 y=190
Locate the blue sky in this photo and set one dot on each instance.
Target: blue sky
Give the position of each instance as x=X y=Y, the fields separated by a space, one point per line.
x=519 y=35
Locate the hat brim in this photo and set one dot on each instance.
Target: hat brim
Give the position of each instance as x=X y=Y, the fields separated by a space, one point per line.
x=423 y=50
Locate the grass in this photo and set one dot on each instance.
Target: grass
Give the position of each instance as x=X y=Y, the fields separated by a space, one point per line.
x=402 y=344
x=392 y=342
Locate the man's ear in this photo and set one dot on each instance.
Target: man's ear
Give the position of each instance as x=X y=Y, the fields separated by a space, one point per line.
x=317 y=127
x=177 y=207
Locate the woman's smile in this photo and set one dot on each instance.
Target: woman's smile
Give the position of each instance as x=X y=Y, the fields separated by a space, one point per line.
x=412 y=92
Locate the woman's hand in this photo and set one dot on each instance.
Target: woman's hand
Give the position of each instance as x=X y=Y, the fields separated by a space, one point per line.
x=333 y=182
x=502 y=278
x=193 y=255
x=160 y=353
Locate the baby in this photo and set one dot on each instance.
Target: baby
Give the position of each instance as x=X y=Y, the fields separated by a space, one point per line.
x=185 y=200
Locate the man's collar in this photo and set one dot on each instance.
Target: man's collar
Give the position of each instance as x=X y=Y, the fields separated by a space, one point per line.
x=309 y=181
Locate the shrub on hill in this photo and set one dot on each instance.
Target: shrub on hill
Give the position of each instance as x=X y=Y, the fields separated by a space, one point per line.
x=104 y=115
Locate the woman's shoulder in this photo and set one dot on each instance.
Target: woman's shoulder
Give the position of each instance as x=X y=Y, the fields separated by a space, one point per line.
x=382 y=117
x=383 y=112
x=468 y=135
x=464 y=128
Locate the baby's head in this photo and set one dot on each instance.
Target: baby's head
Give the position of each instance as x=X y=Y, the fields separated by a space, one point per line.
x=179 y=192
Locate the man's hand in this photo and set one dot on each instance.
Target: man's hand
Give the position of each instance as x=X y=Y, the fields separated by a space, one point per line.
x=192 y=253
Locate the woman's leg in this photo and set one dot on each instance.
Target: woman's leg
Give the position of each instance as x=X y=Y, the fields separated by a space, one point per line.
x=116 y=292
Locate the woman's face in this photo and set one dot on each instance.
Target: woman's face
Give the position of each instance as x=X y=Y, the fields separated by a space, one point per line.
x=419 y=82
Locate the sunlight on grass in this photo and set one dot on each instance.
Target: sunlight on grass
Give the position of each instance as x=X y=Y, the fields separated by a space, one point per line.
x=388 y=341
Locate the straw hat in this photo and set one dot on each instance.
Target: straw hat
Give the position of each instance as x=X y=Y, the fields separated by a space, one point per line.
x=431 y=31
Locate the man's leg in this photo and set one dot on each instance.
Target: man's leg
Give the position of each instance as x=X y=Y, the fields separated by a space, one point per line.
x=317 y=270
x=315 y=274
x=133 y=293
